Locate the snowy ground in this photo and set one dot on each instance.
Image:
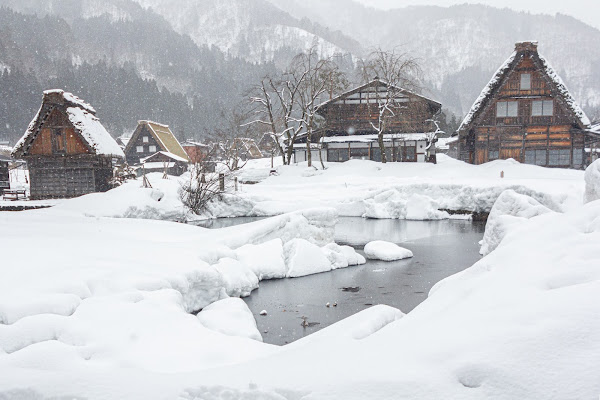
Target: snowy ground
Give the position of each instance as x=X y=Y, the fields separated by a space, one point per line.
x=102 y=308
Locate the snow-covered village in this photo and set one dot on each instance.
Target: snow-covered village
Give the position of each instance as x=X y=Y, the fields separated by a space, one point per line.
x=299 y=199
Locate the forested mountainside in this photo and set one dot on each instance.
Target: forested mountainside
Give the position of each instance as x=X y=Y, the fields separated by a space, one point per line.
x=185 y=61
x=129 y=66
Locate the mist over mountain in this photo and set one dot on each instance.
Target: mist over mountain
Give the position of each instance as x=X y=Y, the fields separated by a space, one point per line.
x=185 y=62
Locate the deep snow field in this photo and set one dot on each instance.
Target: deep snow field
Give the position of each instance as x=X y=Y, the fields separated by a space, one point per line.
x=97 y=306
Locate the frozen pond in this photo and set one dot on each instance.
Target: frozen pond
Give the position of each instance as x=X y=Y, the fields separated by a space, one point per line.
x=441 y=248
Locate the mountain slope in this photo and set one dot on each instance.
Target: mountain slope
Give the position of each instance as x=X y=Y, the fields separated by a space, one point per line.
x=460 y=47
x=253 y=29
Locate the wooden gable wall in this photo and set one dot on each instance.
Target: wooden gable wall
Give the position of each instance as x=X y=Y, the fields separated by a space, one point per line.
x=355 y=114
x=58 y=137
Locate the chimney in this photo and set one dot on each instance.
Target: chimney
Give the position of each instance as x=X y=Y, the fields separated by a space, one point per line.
x=526 y=46
x=54 y=96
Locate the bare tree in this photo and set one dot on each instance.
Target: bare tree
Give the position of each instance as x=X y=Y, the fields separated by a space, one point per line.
x=321 y=77
x=396 y=72
x=276 y=107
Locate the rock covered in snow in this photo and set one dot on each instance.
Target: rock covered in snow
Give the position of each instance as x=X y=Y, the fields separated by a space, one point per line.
x=592 y=182
x=231 y=317
x=386 y=251
x=510 y=209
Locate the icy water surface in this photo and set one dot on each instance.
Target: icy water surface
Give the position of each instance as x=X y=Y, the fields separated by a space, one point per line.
x=440 y=248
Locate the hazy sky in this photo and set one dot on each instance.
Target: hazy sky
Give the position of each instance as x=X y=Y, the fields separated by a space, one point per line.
x=585 y=10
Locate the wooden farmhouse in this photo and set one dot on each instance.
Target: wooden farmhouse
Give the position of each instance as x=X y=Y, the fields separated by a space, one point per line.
x=348 y=132
x=246 y=149
x=149 y=138
x=68 y=151
x=526 y=113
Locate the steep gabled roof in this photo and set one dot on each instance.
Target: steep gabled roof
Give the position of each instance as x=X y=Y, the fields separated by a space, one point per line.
x=83 y=118
x=377 y=82
x=503 y=73
x=163 y=135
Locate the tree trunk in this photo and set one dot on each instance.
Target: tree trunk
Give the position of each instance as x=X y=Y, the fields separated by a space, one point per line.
x=308 y=152
x=381 y=147
x=290 y=151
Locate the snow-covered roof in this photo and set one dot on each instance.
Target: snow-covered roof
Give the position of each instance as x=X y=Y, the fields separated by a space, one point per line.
x=444 y=143
x=487 y=91
x=90 y=128
x=373 y=138
x=172 y=156
x=379 y=82
x=81 y=115
x=494 y=84
x=193 y=143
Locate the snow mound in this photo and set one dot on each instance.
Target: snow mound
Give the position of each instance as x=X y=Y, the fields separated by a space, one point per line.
x=265 y=259
x=355 y=327
x=350 y=256
x=304 y=258
x=231 y=317
x=386 y=251
x=239 y=278
x=510 y=210
x=419 y=207
x=592 y=182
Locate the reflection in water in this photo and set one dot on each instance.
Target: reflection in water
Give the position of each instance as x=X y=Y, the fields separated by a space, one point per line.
x=440 y=248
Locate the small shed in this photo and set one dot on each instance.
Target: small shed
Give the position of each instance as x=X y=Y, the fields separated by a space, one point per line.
x=68 y=151
x=162 y=160
x=149 y=138
x=196 y=151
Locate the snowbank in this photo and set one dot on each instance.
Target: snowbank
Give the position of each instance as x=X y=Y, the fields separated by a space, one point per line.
x=510 y=210
x=592 y=182
x=386 y=251
x=304 y=258
x=231 y=317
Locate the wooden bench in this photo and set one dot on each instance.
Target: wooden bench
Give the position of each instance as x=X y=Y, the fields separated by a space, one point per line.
x=13 y=194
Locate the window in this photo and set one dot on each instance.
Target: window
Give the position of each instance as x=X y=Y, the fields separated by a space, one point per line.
x=139 y=149
x=58 y=141
x=493 y=155
x=145 y=139
x=360 y=154
x=577 y=156
x=541 y=108
x=376 y=153
x=535 y=157
x=337 y=155
x=560 y=157
x=525 y=81
x=152 y=149
x=507 y=109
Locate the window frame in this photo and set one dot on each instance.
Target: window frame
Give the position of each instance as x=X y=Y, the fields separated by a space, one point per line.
x=545 y=104
x=528 y=81
x=507 y=107
x=150 y=149
x=137 y=149
x=145 y=139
